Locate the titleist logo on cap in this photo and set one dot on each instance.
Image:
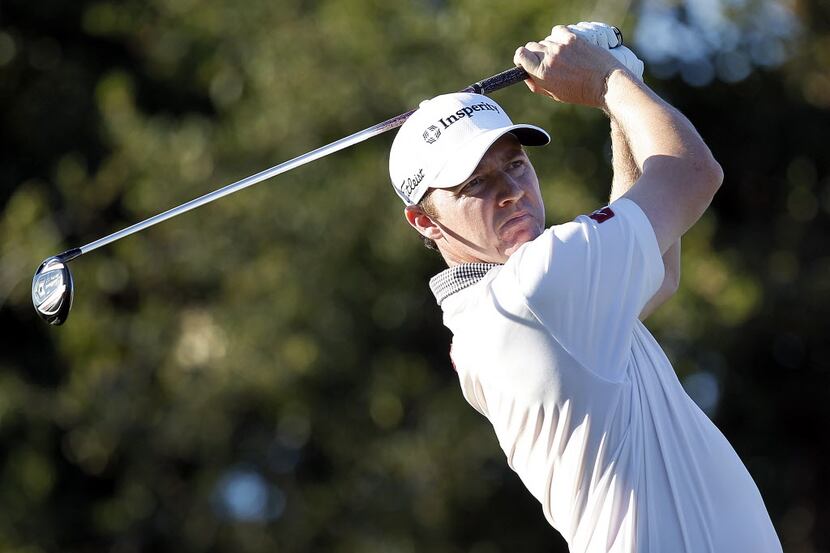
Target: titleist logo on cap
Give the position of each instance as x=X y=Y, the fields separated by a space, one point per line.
x=409 y=183
x=432 y=133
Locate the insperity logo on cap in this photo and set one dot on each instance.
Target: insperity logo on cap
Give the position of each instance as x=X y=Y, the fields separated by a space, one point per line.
x=432 y=134
x=441 y=144
x=446 y=121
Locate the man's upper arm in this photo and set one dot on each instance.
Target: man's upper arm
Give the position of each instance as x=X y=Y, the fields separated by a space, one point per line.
x=679 y=175
x=672 y=208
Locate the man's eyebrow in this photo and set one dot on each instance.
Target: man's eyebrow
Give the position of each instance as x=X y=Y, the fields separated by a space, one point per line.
x=513 y=152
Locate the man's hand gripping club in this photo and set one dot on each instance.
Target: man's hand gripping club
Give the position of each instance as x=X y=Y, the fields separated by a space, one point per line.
x=570 y=66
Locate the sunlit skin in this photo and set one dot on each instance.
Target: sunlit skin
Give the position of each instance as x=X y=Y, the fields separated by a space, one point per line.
x=490 y=215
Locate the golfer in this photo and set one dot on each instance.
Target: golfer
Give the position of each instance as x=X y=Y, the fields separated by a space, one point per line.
x=547 y=335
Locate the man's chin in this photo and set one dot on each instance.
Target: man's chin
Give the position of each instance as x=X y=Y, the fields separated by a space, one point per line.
x=518 y=242
x=520 y=237
x=512 y=249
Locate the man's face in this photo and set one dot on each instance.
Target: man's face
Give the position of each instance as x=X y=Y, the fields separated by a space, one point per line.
x=492 y=213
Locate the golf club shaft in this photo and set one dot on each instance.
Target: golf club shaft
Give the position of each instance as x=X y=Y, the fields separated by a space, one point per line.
x=490 y=84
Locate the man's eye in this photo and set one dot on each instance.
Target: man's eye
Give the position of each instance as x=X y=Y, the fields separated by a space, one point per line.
x=471 y=184
x=517 y=164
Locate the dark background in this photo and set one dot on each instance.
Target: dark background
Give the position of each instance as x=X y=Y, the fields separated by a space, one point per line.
x=270 y=373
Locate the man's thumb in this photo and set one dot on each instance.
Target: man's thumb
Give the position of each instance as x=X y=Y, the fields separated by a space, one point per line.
x=527 y=59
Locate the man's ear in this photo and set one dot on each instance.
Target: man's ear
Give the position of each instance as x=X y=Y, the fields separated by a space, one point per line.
x=422 y=222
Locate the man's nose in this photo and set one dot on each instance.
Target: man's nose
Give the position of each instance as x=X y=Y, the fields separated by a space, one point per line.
x=510 y=190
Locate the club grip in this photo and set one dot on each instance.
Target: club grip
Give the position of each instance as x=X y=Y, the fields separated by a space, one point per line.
x=513 y=75
x=498 y=81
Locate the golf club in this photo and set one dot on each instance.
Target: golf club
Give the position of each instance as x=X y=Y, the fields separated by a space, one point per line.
x=53 y=286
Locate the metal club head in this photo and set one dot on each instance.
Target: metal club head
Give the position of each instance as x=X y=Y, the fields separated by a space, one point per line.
x=52 y=290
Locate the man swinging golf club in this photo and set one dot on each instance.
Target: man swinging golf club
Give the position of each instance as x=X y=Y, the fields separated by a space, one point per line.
x=547 y=338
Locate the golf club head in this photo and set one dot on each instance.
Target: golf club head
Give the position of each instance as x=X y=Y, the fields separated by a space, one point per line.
x=52 y=291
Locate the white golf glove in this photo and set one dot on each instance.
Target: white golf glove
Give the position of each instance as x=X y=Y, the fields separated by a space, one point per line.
x=603 y=35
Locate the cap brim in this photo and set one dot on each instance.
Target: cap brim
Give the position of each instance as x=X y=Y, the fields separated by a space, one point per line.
x=465 y=160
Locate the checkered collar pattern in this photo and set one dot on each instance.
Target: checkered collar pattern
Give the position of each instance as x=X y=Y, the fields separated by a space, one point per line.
x=452 y=280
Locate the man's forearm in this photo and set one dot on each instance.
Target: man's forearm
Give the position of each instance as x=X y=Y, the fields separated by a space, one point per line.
x=626 y=173
x=678 y=173
x=625 y=168
x=650 y=126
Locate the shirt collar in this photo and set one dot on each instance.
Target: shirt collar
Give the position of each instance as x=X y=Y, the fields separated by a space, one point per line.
x=452 y=280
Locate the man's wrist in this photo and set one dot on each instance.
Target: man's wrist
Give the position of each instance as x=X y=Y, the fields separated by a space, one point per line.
x=614 y=79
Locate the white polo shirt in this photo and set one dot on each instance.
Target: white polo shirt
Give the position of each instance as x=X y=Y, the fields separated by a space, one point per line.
x=584 y=402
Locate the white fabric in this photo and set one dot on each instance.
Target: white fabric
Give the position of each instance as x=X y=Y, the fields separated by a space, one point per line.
x=587 y=407
x=603 y=35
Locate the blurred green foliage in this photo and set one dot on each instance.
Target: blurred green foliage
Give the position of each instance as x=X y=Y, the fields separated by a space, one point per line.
x=270 y=373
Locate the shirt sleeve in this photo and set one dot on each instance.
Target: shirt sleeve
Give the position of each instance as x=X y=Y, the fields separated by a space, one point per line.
x=588 y=280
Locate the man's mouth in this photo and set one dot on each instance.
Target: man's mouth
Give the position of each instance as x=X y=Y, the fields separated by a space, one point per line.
x=517 y=217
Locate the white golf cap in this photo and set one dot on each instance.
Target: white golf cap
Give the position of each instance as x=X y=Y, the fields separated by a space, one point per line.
x=441 y=144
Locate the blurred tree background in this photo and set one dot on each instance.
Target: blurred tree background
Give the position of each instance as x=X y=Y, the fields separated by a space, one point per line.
x=270 y=372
